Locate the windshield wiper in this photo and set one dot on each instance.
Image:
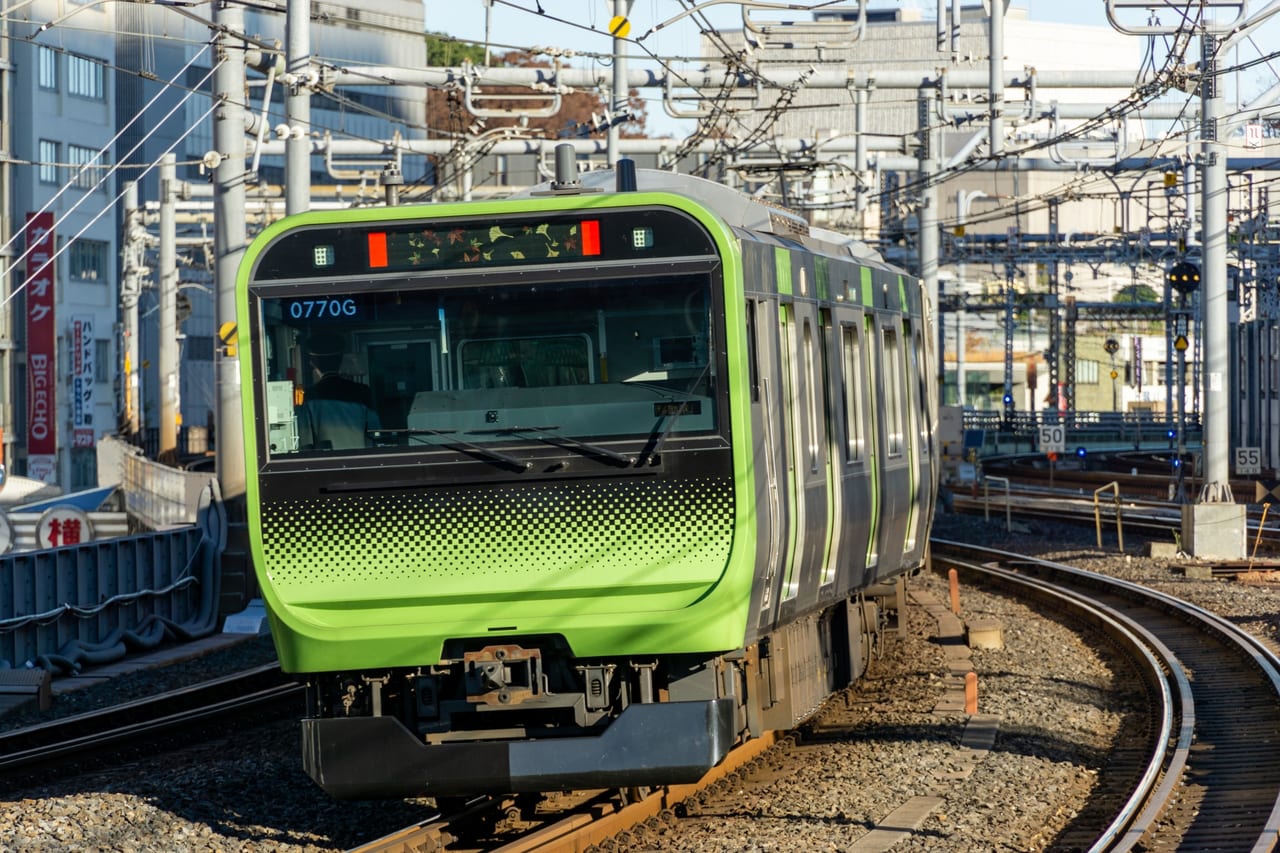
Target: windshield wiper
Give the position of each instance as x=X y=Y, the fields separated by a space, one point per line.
x=548 y=434
x=458 y=444
x=653 y=450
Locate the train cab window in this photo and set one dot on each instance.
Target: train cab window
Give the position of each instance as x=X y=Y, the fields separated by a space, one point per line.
x=623 y=358
x=893 y=391
x=851 y=389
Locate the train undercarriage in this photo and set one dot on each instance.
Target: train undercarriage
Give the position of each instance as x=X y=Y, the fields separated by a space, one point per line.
x=523 y=715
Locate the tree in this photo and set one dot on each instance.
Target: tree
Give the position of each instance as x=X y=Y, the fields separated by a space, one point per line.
x=581 y=113
x=1136 y=293
x=446 y=52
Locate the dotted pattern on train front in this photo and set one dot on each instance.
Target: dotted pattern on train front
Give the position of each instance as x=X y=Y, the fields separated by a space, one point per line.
x=607 y=532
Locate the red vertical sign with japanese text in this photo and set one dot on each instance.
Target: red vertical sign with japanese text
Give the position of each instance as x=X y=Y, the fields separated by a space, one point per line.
x=42 y=344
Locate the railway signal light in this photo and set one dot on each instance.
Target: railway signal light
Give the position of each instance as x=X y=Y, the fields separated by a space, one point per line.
x=1172 y=433
x=1184 y=277
x=1081 y=452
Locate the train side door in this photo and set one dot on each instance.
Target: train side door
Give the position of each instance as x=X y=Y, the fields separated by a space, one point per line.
x=795 y=418
x=852 y=451
x=895 y=472
x=809 y=456
x=919 y=432
x=768 y=431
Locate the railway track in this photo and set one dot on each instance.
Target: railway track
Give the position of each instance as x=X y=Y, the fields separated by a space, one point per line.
x=595 y=821
x=1203 y=786
x=1159 y=520
x=35 y=754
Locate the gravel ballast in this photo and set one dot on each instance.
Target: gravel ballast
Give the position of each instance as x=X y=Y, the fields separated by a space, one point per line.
x=1060 y=707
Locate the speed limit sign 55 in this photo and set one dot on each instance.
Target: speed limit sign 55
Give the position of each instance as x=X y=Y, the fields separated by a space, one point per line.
x=1248 y=460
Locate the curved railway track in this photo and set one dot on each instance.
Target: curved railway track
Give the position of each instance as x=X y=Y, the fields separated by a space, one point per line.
x=1210 y=783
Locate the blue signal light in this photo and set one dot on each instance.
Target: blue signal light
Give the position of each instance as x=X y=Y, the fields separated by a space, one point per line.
x=1081 y=452
x=1008 y=398
x=1173 y=433
x=1177 y=463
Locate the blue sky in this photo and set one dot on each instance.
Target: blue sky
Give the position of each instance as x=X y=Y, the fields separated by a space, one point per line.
x=581 y=25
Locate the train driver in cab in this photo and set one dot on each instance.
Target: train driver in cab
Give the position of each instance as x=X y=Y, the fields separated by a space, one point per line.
x=337 y=413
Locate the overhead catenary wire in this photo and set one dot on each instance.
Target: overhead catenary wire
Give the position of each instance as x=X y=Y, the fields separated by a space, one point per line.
x=32 y=275
x=71 y=182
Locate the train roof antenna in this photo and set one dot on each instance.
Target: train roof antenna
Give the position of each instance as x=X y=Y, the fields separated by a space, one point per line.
x=566 y=169
x=625 y=175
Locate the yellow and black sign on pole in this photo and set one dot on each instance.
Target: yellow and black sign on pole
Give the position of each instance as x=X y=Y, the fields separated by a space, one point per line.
x=227 y=335
x=619 y=27
x=1266 y=491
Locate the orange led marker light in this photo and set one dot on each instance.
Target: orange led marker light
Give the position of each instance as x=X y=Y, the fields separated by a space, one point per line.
x=377 y=248
x=590 y=236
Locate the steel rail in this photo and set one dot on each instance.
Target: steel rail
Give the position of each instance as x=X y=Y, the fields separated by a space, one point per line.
x=97 y=735
x=1214 y=723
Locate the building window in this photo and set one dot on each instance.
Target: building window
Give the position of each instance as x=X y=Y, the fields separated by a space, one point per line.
x=1086 y=372
x=88 y=260
x=77 y=156
x=47 y=60
x=102 y=360
x=48 y=155
x=85 y=77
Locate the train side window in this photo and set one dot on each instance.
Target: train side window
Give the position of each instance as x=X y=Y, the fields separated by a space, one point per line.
x=893 y=386
x=811 y=397
x=851 y=390
x=753 y=360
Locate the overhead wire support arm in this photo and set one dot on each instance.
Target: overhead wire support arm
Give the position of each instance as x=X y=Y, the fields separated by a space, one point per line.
x=474 y=98
x=745 y=4
x=1180 y=10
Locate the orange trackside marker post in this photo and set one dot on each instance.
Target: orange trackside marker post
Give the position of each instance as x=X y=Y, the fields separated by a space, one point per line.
x=953 y=578
x=971 y=692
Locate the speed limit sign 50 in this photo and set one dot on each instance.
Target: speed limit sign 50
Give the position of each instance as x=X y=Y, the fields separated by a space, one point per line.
x=1053 y=438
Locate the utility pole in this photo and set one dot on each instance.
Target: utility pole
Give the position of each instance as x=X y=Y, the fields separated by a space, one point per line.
x=1215 y=526
x=1214 y=331
x=995 y=80
x=297 y=166
x=621 y=87
x=6 y=231
x=229 y=239
x=927 y=211
x=134 y=252
x=167 y=278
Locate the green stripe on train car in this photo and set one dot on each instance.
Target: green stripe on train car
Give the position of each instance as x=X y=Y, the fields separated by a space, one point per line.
x=868 y=291
x=821 y=277
x=782 y=265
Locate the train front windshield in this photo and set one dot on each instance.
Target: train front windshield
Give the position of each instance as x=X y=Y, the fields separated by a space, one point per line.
x=429 y=367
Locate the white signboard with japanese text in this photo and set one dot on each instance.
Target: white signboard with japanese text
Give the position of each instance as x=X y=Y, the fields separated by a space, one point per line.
x=82 y=373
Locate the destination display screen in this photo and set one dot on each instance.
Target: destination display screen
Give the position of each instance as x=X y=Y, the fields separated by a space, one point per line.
x=495 y=241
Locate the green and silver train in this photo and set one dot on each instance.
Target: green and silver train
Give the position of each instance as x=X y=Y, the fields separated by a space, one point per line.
x=638 y=472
